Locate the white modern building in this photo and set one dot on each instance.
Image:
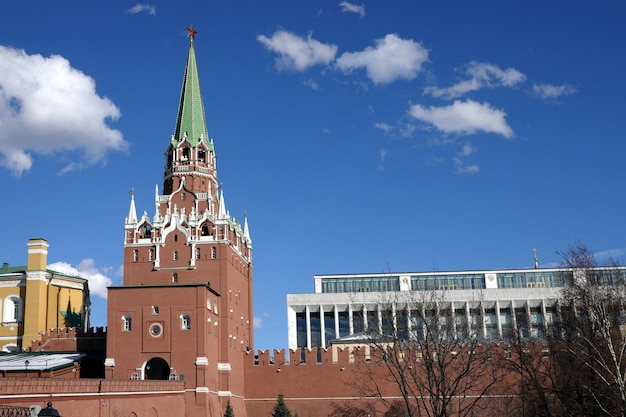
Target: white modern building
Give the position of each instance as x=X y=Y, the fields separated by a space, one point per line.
x=492 y=302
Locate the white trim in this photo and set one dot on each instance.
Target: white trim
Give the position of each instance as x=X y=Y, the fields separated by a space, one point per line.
x=224 y=367
x=204 y=390
x=202 y=361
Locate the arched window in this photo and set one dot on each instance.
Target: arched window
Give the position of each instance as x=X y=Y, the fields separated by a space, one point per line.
x=175 y=277
x=151 y=255
x=145 y=231
x=185 y=322
x=135 y=255
x=12 y=309
x=198 y=253
x=127 y=323
x=175 y=255
x=213 y=252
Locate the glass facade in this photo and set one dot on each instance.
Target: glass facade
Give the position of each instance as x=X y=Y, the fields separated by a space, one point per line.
x=457 y=281
x=533 y=279
x=361 y=284
x=469 y=281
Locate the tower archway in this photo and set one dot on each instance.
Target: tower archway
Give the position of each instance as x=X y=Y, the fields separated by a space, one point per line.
x=157 y=368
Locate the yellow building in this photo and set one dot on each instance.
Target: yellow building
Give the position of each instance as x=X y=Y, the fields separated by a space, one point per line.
x=34 y=299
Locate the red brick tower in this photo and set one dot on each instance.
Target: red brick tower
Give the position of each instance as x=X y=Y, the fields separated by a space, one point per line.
x=185 y=308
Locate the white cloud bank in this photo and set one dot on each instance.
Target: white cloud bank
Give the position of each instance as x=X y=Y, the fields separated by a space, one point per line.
x=296 y=53
x=464 y=117
x=352 y=8
x=391 y=59
x=98 y=281
x=48 y=107
x=480 y=75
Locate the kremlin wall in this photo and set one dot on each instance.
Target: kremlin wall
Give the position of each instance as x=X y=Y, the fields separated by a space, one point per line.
x=314 y=386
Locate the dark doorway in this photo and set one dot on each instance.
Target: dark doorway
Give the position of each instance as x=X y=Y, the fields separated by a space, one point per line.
x=157 y=368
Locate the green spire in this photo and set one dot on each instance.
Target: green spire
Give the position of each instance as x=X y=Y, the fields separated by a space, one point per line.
x=190 y=119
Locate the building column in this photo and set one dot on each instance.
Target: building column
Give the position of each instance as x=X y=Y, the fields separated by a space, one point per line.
x=322 y=328
x=498 y=321
x=350 y=319
x=307 y=312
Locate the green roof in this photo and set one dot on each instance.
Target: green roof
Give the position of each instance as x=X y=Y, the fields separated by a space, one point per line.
x=190 y=119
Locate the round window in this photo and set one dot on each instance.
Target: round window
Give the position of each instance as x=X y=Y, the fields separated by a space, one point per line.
x=156 y=329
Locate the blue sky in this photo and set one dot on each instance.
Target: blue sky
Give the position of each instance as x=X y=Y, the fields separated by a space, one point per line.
x=358 y=137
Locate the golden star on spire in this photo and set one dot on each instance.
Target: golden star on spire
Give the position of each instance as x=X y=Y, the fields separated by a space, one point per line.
x=191 y=32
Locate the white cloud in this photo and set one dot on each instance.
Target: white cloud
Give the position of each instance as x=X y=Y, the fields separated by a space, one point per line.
x=552 y=92
x=296 y=53
x=609 y=255
x=464 y=117
x=98 y=281
x=142 y=8
x=312 y=85
x=467 y=149
x=481 y=75
x=384 y=127
x=465 y=169
x=382 y=153
x=391 y=59
x=406 y=131
x=48 y=107
x=353 y=8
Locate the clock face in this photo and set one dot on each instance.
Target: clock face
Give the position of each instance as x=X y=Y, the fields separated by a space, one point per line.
x=156 y=330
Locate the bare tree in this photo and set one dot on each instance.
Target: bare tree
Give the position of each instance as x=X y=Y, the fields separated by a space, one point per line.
x=430 y=357
x=594 y=336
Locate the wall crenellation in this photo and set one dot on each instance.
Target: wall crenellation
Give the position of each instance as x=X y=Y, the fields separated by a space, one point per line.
x=66 y=339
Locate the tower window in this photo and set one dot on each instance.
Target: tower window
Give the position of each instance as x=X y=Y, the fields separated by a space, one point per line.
x=155 y=310
x=198 y=253
x=175 y=238
x=151 y=255
x=135 y=255
x=185 y=322
x=183 y=196
x=175 y=277
x=127 y=324
x=213 y=253
x=175 y=255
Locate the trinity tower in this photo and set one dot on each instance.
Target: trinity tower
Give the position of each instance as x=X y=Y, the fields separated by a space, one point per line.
x=184 y=310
